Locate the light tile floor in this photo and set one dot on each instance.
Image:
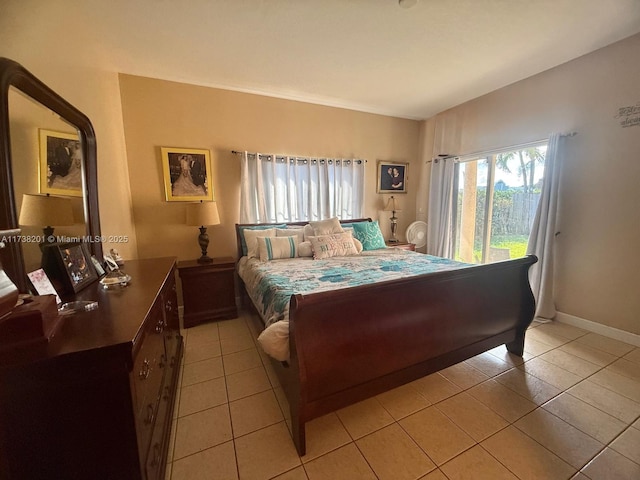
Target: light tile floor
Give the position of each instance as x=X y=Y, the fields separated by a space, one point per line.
x=570 y=409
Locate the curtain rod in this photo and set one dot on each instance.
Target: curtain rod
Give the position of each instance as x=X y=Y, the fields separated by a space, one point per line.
x=471 y=156
x=269 y=156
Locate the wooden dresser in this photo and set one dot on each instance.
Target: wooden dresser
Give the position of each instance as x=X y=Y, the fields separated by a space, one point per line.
x=97 y=402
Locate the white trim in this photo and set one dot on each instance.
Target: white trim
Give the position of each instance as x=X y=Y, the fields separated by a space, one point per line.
x=615 y=333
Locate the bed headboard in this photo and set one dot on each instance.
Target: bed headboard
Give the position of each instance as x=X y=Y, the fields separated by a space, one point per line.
x=301 y=224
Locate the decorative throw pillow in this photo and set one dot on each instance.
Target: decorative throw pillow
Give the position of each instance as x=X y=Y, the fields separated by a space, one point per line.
x=291 y=232
x=308 y=232
x=334 y=245
x=358 y=245
x=305 y=250
x=369 y=234
x=273 y=248
x=251 y=237
x=326 y=227
x=243 y=240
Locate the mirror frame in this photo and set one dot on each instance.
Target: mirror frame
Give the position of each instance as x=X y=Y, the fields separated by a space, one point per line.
x=12 y=74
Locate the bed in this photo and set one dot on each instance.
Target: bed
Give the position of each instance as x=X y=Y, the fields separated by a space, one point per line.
x=348 y=344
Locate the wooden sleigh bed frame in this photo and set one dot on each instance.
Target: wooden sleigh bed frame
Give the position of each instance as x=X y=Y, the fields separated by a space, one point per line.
x=398 y=331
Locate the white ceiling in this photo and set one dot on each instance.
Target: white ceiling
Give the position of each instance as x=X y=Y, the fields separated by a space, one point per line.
x=368 y=55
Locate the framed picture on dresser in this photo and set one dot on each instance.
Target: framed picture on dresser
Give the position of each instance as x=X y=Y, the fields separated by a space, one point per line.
x=69 y=266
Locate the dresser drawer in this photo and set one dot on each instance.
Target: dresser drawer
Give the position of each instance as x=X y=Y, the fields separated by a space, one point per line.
x=154 y=466
x=148 y=374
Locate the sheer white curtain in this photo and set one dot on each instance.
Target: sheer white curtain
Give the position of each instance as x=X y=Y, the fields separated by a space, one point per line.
x=544 y=230
x=439 y=226
x=278 y=188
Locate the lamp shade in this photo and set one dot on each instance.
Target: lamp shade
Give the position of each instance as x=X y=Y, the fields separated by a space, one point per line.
x=203 y=213
x=391 y=205
x=44 y=210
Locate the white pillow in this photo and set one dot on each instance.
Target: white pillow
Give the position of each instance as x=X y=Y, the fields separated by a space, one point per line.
x=305 y=250
x=273 y=248
x=291 y=232
x=308 y=232
x=250 y=236
x=334 y=245
x=326 y=227
x=274 y=340
x=358 y=245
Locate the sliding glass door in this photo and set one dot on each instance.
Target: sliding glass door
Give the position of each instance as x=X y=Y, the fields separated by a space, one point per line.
x=497 y=197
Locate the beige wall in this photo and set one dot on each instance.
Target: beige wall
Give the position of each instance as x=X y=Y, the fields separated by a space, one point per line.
x=597 y=254
x=159 y=113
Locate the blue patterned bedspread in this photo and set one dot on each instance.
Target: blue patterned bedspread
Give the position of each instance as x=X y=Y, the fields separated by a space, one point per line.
x=271 y=284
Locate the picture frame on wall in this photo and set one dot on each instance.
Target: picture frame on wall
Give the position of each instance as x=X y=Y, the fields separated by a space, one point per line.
x=392 y=177
x=187 y=174
x=60 y=164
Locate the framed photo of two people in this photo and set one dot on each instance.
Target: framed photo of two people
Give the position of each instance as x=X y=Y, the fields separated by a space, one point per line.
x=392 y=177
x=187 y=174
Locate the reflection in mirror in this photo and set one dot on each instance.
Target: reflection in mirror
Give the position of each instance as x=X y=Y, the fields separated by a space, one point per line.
x=42 y=121
x=38 y=136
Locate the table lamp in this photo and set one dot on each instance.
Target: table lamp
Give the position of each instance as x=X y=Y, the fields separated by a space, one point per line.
x=203 y=214
x=393 y=208
x=46 y=211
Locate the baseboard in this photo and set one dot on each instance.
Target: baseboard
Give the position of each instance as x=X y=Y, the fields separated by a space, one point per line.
x=615 y=333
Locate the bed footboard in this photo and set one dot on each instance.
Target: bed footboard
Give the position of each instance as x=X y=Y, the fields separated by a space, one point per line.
x=351 y=344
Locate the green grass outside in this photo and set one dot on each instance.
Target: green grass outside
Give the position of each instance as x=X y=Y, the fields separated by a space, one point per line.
x=517 y=245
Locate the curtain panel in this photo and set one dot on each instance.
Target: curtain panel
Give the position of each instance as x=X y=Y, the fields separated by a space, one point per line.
x=277 y=188
x=542 y=239
x=439 y=226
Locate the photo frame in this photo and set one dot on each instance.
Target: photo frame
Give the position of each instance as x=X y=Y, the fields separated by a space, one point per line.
x=60 y=165
x=392 y=177
x=187 y=174
x=69 y=266
x=41 y=284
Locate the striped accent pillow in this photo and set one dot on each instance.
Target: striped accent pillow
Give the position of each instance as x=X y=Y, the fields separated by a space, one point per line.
x=273 y=248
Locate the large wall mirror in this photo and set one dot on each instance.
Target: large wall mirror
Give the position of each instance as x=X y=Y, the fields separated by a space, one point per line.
x=47 y=146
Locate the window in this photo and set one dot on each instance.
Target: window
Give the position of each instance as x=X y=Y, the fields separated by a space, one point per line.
x=496 y=201
x=288 y=189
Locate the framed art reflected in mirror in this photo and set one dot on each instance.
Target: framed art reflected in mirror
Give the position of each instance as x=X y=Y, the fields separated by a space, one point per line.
x=60 y=167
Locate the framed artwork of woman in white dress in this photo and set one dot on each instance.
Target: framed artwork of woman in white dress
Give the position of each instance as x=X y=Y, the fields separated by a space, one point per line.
x=187 y=174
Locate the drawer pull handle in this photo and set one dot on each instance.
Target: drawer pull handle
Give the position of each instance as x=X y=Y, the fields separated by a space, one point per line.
x=163 y=360
x=149 y=418
x=160 y=327
x=146 y=370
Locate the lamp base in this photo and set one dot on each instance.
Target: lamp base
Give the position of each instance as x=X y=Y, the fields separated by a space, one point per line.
x=394 y=228
x=203 y=241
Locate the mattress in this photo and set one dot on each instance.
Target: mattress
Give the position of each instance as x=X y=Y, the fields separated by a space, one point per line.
x=270 y=285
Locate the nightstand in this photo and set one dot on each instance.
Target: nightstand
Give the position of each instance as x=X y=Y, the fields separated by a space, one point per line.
x=402 y=245
x=208 y=290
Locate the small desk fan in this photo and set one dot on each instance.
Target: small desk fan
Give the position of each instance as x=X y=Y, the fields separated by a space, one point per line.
x=417 y=233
